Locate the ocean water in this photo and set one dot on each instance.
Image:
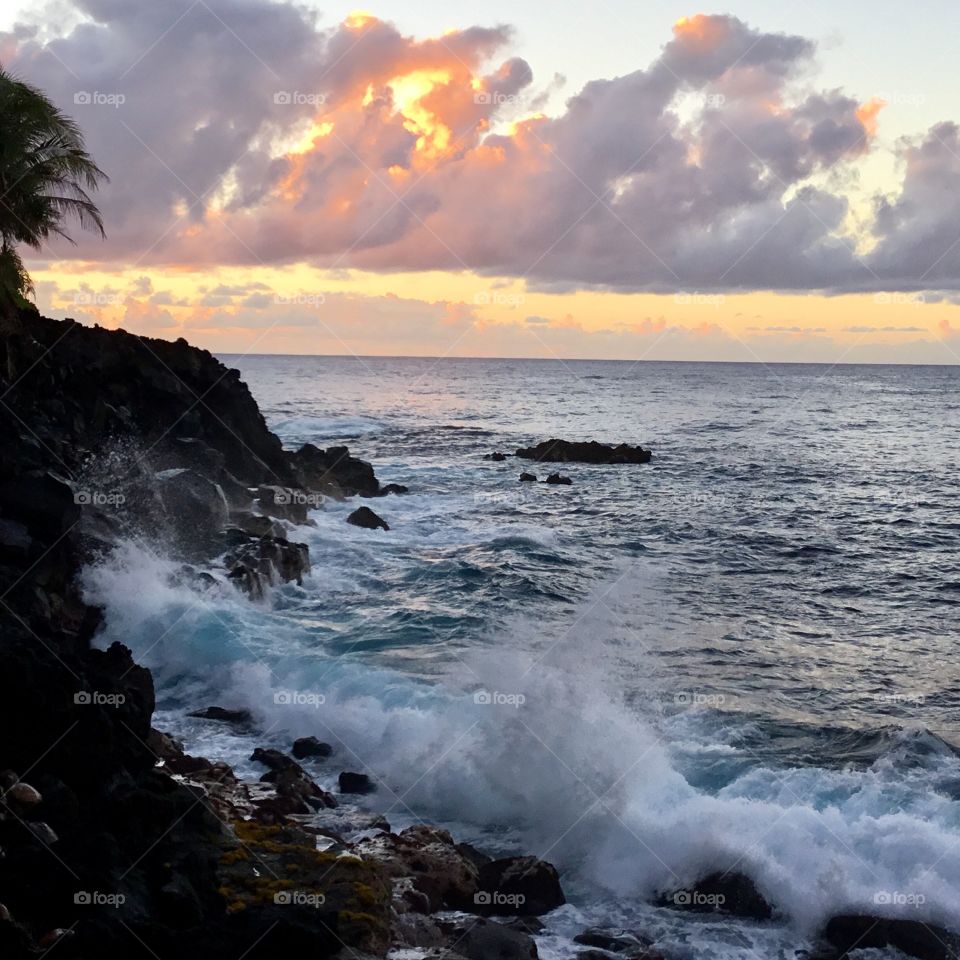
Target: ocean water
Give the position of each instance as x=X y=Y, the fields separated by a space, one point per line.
x=740 y=657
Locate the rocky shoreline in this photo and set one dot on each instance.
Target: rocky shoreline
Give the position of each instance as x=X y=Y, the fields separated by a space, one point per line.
x=118 y=843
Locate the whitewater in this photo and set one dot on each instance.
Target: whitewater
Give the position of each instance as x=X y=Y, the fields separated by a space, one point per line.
x=741 y=657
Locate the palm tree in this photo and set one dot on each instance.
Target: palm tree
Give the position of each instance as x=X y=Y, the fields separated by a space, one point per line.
x=45 y=174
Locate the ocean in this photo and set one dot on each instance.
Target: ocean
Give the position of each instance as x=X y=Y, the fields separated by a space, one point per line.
x=739 y=657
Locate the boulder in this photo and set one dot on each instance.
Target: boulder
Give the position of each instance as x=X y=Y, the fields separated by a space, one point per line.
x=528 y=478
x=274 y=759
x=486 y=940
x=366 y=518
x=284 y=503
x=565 y=451
x=306 y=747
x=427 y=859
x=194 y=509
x=614 y=941
x=355 y=783
x=555 y=478
x=395 y=488
x=496 y=457
x=732 y=893
x=334 y=472
x=912 y=937
x=223 y=714
x=517 y=886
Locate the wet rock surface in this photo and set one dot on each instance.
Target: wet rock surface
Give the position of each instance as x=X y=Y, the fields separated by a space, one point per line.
x=566 y=451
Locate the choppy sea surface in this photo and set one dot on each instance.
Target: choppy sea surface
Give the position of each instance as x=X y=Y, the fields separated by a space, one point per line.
x=744 y=656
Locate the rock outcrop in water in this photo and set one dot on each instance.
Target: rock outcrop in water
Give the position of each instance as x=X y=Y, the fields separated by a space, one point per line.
x=566 y=451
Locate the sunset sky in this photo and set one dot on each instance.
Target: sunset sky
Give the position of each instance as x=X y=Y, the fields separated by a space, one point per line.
x=617 y=180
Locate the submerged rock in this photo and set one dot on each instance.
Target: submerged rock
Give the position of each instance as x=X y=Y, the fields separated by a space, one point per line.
x=310 y=747
x=528 y=478
x=355 y=783
x=496 y=457
x=566 y=451
x=366 y=518
x=223 y=714
x=557 y=479
x=732 y=893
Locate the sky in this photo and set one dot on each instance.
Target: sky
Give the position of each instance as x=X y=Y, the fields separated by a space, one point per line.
x=625 y=180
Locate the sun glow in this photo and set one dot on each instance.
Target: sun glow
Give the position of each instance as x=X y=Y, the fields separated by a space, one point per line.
x=408 y=92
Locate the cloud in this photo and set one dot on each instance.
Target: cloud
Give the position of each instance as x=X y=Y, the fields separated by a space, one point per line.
x=249 y=134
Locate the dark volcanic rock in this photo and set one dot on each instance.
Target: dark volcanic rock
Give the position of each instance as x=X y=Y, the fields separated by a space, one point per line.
x=528 y=478
x=913 y=937
x=396 y=488
x=355 y=783
x=333 y=472
x=366 y=518
x=222 y=713
x=518 y=886
x=310 y=747
x=731 y=893
x=425 y=859
x=496 y=457
x=565 y=451
x=558 y=480
x=614 y=941
x=486 y=940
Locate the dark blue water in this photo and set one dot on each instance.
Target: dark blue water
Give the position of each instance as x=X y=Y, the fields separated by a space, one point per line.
x=742 y=653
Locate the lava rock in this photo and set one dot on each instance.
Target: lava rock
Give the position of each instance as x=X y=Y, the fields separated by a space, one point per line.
x=310 y=747
x=566 y=451
x=517 y=886
x=913 y=937
x=334 y=472
x=284 y=503
x=366 y=518
x=395 y=488
x=223 y=714
x=355 y=783
x=613 y=941
x=556 y=479
x=496 y=457
x=732 y=893
x=528 y=478
x=486 y=940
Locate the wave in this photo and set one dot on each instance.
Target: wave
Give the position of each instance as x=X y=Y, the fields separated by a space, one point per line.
x=529 y=743
x=320 y=430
